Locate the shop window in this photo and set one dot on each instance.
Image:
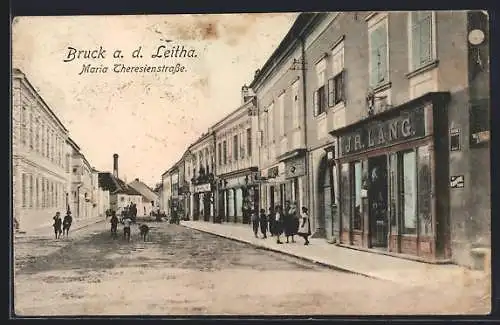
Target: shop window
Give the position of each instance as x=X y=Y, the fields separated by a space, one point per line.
x=239 y=202
x=345 y=195
x=356 y=217
x=409 y=192
x=424 y=191
x=393 y=191
x=249 y=142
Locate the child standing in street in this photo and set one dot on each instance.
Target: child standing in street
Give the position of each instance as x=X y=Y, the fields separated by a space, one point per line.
x=305 y=226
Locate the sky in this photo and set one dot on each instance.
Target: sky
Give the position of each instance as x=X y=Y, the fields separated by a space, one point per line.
x=148 y=119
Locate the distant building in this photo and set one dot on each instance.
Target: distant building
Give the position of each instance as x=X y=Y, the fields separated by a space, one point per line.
x=150 y=199
x=121 y=195
x=39 y=178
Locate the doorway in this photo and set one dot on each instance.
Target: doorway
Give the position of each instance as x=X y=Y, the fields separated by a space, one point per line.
x=271 y=197
x=377 y=201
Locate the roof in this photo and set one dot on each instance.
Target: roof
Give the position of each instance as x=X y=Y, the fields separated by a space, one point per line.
x=108 y=182
x=143 y=189
x=290 y=38
x=17 y=73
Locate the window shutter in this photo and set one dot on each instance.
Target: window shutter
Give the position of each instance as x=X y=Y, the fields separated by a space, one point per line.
x=331 y=92
x=342 y=86
x=315 y=103
x=383 y=73
x=374 y=58
x=425 y=38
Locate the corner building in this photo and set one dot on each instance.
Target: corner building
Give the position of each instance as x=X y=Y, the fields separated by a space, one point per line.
x=398 y=131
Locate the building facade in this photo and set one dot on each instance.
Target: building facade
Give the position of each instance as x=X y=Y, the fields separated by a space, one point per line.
x=236 y=162
x=149 y=202
x=39 y=178
x=279 y=89
x=200 y=166
x=166 y=193
x=393 y=103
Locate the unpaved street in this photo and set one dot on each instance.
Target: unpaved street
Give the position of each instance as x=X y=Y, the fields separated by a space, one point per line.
x=182 y=271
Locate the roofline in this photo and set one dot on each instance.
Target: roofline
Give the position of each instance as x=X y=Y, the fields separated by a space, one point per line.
x=235 y=113
x=73 y=144
x=17 y=73
x=299 y=26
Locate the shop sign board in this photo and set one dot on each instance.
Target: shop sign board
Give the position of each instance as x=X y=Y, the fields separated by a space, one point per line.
x=380 y=133
x=295 y=168
x=203 y=188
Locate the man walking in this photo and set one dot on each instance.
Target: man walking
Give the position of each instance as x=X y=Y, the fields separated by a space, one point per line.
x=68 y=220
x=114 y=224
x=255 y=222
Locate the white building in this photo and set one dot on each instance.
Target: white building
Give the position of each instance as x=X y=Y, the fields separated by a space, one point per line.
x=237 y=162
x=39 y=178
x=149 y=201
x=199 y=171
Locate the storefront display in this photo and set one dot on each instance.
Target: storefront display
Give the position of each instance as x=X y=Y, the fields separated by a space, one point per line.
x=387 y=172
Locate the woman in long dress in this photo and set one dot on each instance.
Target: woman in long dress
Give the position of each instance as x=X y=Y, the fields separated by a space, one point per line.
x=305 y=226
x=278 y=224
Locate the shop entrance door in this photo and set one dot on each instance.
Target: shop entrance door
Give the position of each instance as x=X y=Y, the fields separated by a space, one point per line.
x=377 y=200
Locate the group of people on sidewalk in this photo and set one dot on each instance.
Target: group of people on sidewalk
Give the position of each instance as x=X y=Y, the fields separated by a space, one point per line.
x=283 y=220
x=61 y=227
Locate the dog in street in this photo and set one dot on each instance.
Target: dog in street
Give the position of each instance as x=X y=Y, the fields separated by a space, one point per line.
x=144 y=231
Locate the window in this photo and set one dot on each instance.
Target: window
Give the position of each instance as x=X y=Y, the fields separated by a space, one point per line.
x=281 y=112
x=295 y=104
x=24 y=186
x=249 y=142
x=409 y=193
x=270 y=126
x=242 y=145
x=37 y=193
x=421 y=38
x=219 y=153
x=319 y=96
x=336 y=91
x=31 y=131
x=37 y=135
x=378 y=54
x=235 y=147
x=224 y=149
x=23 y=124
x=75 y=170
x=356 y=222
x=31 y=192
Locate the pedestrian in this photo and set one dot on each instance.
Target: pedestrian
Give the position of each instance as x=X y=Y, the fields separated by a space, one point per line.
x=288 y=222
x=263 y=222
x=254 y=218
x=126 y=228
x=114 y=224
x=295 y=219
x=305 y=226
x=57 y=224
x=270 y=218
x=68 y=220
x=278 y=224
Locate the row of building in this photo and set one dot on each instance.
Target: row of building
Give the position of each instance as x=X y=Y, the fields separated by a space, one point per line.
x=378 y=122
x=50 y=173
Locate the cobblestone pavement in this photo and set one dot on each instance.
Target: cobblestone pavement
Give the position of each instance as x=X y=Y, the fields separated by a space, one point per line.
x=181 y=271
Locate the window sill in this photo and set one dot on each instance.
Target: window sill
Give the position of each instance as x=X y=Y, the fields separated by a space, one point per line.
x=426 y=67
x=321 y=116
x=337 y=107
x=381 y=87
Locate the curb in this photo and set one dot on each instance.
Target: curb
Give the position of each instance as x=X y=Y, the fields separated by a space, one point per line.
x=303 y=258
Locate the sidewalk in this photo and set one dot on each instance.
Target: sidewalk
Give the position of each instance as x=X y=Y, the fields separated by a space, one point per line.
x=368 y=264
x=48 y=230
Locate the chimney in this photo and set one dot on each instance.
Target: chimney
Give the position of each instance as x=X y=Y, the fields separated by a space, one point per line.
x=115 y=165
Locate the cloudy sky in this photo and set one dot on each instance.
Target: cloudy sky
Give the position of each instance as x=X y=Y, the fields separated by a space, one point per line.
x=149 y=119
